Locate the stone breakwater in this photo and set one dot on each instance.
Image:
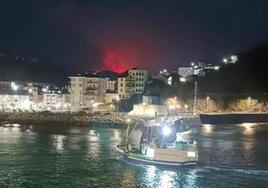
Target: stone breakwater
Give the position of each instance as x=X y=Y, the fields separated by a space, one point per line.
x=82 y=119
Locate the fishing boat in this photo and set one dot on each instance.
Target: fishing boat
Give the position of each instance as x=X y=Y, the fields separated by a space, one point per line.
x=162 y=142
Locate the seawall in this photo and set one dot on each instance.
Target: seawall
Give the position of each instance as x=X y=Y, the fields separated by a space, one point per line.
x=234 y=118
x=81 y=119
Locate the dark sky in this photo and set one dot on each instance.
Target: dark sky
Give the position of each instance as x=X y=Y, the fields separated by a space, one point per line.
x=119 y=34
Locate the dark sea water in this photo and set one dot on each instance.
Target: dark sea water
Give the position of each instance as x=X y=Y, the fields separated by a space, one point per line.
x=64 y=156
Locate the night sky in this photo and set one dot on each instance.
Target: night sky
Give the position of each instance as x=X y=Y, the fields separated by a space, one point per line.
x=107 y=34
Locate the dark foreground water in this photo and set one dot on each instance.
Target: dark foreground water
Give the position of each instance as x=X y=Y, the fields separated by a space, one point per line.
x=62 y=156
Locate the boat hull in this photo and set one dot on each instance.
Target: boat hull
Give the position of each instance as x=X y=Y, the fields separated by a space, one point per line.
x=143 y=161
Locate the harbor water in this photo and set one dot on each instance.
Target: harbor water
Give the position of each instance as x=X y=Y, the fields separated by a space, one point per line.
x=65 y=156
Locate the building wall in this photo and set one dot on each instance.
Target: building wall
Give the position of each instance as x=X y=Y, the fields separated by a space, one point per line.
x=5 y=86
x=85 y=91
x=53 y=101
x=10 y=102
x=110 y=97
x=125 y=87
x=140 y=78
x=111 y=85
x=148 y=110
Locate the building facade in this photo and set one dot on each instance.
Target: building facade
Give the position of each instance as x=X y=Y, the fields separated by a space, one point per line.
x=132 y=82
x=15 y=101
x=110 y=85
x=86 y=90
x=55 y=101
x=140 y=78
x=125 y=86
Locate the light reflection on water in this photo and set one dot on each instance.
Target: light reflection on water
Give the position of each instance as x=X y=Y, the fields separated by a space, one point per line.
x=249 y=128
x=58 y=142
x=83 y=157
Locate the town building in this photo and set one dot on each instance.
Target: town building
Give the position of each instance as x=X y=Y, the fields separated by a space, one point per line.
x=140 y=78
x=126 y=86
x=110 y=85
x=54 y=100
x=5 y=86
x=132 y=82
x=110 y=97
x=86 y=89
x=15 y=101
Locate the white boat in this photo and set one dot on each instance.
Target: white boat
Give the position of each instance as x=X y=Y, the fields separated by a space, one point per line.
x=162 y=142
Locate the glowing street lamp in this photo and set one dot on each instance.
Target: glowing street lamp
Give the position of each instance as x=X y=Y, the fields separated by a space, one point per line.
x=95 y=105
x=182 y=79
x=128 y=120
x=216 y=68
x=225 y=60
x=14 y=86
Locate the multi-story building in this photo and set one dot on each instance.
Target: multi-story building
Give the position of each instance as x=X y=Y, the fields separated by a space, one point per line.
x=86 y=90
x=56 y=101
x=10 y=101
x=5 y=86
x=132 y=82
x=140 y=78
x=110 y=85
x=126 y=86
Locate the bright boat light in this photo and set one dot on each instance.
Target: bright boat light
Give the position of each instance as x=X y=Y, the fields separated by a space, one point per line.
x=166 y=131
x=191 y=154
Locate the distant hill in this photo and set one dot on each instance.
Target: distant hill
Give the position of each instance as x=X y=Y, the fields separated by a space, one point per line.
x=108 y=74
x=248 y=75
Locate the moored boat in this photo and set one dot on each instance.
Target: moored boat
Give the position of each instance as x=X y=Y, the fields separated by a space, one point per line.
x=162 y=143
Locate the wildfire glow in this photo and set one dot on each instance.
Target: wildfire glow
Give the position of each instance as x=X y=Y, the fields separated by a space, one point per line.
x=117 y=60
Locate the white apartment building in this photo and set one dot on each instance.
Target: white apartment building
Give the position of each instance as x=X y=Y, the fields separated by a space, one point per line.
x=86 y=90
x=55 y=101
x=140 y=78
x=15 y=101
x=132 y=82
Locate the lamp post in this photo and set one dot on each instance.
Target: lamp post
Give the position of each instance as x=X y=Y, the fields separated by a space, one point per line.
x=248 y=103
x=195 y=96
x=207 y=102
x=186 y=108
x=128 y=123
x=117 y=106
x=117 y=103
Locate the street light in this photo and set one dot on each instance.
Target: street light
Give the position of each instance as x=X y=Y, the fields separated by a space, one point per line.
x=207 y=102
x=186 y=108
x=216 y=67
x=248 y=103
x=117 y=105
x=14 y=86
x=182 y=79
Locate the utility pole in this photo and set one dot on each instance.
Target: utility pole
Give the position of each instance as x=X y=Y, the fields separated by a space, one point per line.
x=195 y=96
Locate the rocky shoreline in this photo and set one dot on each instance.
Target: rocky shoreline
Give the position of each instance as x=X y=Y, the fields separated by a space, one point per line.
x=80 y=119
